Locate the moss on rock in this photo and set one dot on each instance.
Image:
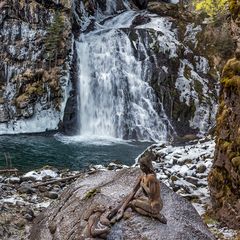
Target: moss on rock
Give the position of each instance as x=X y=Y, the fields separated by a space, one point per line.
x=224 y=177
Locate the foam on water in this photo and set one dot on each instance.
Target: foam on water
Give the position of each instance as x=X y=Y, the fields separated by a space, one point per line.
x=91 y=140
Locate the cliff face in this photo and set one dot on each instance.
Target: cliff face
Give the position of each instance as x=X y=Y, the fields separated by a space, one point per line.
x=35 y=51
x=174 y=62
x=224 y=178
x=40 y=41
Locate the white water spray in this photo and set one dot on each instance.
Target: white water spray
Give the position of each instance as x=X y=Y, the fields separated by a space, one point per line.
x=116 y=99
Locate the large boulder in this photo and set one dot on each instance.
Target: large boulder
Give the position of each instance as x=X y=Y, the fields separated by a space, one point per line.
x=64 y=219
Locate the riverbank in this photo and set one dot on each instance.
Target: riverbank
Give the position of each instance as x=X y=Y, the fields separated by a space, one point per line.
x=183 y=168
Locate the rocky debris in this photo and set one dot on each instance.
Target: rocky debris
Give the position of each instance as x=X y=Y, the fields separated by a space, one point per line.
x=25 y=188
x=21 y=200
x=39 y=176
x=112 y=186
x=51 y=195
x=185 y=169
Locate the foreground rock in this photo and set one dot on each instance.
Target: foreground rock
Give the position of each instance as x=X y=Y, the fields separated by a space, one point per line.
x=64 y=219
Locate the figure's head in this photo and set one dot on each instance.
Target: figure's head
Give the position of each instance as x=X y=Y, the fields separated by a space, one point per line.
x=145 y=162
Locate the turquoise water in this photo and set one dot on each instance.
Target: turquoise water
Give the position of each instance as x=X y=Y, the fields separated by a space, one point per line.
x=35 y=151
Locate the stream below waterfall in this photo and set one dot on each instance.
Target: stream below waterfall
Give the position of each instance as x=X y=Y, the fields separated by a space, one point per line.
x=30 y=152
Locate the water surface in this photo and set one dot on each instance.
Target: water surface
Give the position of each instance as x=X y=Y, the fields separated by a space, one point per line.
x=35 y=151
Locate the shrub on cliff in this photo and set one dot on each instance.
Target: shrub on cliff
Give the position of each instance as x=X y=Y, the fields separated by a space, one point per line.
x=54 y=38
x=211 y=7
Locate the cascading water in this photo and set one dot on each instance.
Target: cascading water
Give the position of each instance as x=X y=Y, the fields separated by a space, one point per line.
x=116 y=99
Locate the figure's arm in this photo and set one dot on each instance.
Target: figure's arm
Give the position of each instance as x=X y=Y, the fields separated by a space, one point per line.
x=152 y=187
x=119 y=210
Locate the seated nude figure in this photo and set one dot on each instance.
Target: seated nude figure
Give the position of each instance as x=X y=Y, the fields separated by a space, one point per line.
x=151 y=204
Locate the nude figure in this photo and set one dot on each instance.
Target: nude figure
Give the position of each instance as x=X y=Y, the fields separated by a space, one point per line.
x=151 y=204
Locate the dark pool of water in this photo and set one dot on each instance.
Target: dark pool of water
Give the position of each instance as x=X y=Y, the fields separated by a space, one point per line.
x=35 y=151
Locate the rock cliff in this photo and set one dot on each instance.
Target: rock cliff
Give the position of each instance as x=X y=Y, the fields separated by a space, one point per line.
x=39 y=70
x=224 y=178
x=34 y=67
x=166 y=44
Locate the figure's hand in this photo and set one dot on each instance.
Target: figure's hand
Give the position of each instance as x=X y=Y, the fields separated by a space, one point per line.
x=120 y=214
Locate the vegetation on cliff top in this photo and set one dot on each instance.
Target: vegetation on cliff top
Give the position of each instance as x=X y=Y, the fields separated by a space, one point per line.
x=214 y=8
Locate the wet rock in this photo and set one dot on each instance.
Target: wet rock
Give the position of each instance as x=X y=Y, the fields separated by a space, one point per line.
x=28 y=217
x=26 y=188
x=51 y=195
x=183 y=220
x=4 y=117
x=192 y=180
x=201 y=168
x=20 y=204
x=1 y=179
x=13 y=180
x=163 y=9
x=42 y=189
x=28 y=179
x=20 y=222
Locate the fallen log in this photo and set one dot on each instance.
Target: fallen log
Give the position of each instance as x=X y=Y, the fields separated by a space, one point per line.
x=13 y=170
x=57 y=180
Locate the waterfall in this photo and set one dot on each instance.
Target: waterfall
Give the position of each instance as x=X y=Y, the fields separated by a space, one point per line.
x=115 y=97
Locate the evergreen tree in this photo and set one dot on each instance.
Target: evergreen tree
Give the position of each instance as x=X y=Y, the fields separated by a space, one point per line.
x=53 y=38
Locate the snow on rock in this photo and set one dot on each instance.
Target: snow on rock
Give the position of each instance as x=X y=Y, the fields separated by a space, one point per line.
x=38 y=176
x=185 y=169
x=181 y=168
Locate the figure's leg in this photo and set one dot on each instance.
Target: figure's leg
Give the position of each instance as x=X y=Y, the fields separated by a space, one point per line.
x=100 y=231
x=144 y=207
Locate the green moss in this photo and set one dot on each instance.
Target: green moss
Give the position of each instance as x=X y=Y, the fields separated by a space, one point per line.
x=199 y=89
x=91 y=193
x=226 y=145
x=231 y=82
x=22 y=98
x=222 y=117
x=231 y=69
x=209 y=220
x=187 y=72
x=216 y=178
x=35 y=88
x=234 y=8
x=236 y=162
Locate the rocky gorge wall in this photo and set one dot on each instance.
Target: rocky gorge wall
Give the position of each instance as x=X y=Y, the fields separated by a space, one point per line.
x=174 y=62
x=224 y=178
x=34 y=68
x=34 y=90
